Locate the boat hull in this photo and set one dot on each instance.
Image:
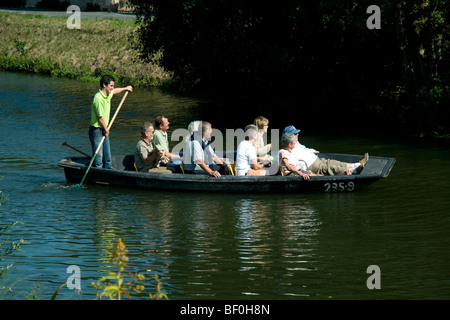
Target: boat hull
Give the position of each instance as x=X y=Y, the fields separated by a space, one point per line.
x=125 y=176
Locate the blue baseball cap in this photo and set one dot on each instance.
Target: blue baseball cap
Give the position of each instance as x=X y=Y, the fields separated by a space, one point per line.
x=291 y=129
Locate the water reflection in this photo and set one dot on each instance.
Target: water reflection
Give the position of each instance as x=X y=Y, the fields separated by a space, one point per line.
x=206 y=248
x=105 y=228
x=276 y=243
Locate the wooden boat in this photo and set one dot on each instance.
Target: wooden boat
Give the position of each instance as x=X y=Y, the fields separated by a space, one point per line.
x=125 y=175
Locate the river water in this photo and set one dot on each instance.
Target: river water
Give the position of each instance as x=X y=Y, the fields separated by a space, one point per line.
x=213 y=246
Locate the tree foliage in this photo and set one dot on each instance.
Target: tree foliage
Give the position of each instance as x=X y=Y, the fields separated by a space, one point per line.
x=308 y=55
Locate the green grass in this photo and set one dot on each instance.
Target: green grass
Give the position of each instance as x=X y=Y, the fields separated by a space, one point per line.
x=37 y=44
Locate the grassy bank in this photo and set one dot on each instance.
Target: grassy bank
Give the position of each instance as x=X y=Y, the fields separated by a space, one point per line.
x=43 y=45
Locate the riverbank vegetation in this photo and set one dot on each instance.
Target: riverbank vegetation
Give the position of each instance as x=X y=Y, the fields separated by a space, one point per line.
x=7 y=248
x=323 y=62
x=43 y=45
x=119 y=284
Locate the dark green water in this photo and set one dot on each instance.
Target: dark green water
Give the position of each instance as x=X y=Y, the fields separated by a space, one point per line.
x=214 y=246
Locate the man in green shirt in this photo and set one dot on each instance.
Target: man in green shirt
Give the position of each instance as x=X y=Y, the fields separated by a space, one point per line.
x=160 y=138
x=100 y=113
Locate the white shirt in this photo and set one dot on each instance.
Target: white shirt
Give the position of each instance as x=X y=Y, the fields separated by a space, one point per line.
x=291 y=158
x=195 y=153
x=246 y=152
x=305 y=156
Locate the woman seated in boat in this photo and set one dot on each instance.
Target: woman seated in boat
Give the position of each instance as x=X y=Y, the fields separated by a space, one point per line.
x=262 y=150
x=288 y=160
x=199 y=156
x=246 y=158
x=145 y=155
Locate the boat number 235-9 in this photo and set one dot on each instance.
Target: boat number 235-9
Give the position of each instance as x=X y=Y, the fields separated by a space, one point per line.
x=339 y=187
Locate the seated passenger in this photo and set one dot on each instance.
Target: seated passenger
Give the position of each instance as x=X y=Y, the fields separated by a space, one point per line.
x=262 y=150
x=199 y=156
x=246 y=159
x=161 y=143
x=308 y=160
x=287 y=159
x=145 y=155
x=194 y=126
x=298 y=145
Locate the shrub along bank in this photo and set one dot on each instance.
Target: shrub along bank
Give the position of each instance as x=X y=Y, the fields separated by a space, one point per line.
x=45 y=45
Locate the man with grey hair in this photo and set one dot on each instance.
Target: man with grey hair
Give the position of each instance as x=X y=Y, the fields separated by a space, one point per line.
x=145 y=154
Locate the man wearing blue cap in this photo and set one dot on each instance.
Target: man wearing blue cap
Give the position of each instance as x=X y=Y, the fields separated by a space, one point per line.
x=293 y=130
x=310 y=161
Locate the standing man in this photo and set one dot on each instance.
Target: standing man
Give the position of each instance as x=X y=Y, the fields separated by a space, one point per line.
x=100 y=113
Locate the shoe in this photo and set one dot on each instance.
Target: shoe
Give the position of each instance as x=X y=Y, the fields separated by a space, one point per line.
x=363 y=163
x=365 y=159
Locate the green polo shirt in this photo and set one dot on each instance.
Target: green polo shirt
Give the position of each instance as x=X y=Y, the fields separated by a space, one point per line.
x=161 y=141
x=101 y=107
